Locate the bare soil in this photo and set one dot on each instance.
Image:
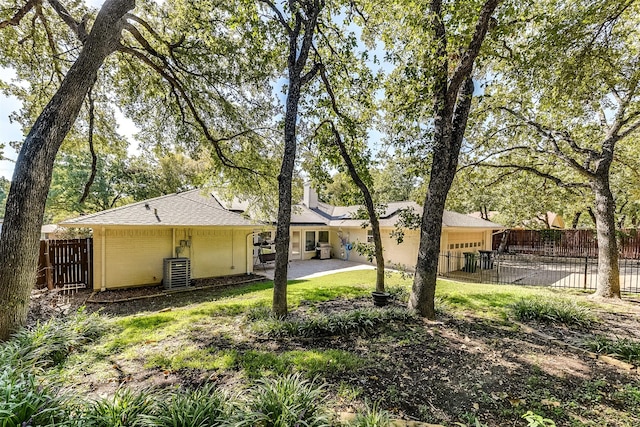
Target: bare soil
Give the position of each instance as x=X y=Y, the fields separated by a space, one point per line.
x=459 y=369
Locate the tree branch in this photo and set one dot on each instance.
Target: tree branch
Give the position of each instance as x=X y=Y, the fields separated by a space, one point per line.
x=94 y=157
x=177 y=85
x=558 y=181
x=79 y=28
x=550 y=135
x=15 y=19
x=279 y=17
x=469 y=56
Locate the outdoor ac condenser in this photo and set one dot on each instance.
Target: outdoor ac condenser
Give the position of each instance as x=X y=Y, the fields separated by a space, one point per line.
x=176 y=273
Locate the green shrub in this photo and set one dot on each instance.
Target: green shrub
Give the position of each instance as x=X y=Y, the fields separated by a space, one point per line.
x=26 y=401
x=399 y=293
x=363 y=321
x=203 y=407
x=372 y=416
x=259 y=312
x=621 y=348
x=125 y=409
x=285 y=402
x=49 y=344
x=552 y=311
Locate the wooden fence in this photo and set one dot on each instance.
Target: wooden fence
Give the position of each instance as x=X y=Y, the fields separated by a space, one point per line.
x=65 y=263
x=567 y=243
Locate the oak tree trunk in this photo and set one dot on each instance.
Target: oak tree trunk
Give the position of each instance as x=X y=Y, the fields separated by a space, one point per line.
x=608 y=270
x=300 y=44
x=448 y=133
x=19 y=241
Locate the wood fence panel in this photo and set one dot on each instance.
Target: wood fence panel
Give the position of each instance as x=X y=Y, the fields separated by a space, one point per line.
x=566 y=243
x=71 y=262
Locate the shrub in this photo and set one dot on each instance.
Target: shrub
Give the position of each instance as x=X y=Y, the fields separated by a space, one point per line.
x=621 y=348
x=26 y=401
x=285 y=402
x=49 y=344
x=363 y=321
x=552 y=311
x=203 y=407
x=125 y=409
x=372 y=416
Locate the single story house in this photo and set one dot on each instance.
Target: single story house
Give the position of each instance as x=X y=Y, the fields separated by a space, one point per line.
x=130 y=242
x=314 y=222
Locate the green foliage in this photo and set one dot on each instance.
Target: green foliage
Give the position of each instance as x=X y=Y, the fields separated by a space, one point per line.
x=285 y=402
x=372 y=416
x=560 y=311
x=361 y=321
x=203 y=407
x=536 y=420
x=621 y=348
x=25 y=399
x=125 y=409
x=49 y=344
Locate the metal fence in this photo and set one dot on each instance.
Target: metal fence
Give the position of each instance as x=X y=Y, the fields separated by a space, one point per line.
x=528 y=269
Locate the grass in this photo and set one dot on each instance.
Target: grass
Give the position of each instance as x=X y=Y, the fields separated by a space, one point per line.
x=219 y=336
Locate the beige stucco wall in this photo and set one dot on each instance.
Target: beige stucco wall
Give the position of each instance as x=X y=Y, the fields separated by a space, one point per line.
x=406 y=253
x=133 y=256
x=303 y=229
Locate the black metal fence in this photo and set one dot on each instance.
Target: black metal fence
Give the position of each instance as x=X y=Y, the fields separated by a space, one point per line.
x=527 y=269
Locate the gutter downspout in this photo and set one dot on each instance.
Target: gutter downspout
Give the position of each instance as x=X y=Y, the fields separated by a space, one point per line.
x=103 y=279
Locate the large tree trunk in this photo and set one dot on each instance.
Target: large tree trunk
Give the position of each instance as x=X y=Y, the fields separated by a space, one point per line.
x=299 y=47
x=284 y=201
x=32 y=176
x=608 y=270
x=448 y=135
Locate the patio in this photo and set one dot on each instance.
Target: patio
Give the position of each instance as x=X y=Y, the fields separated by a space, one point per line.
x=313 y=268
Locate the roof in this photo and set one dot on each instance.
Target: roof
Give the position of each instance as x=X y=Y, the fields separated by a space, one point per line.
x=343 y=216
x=188 y=209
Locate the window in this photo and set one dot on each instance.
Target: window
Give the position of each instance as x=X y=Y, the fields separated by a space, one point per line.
x=323 y=236
x=310 y=241
x=457 y=245
x=451 y=246
x=369 y=236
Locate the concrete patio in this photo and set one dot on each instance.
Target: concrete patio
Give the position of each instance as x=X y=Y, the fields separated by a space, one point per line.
x=313 y=268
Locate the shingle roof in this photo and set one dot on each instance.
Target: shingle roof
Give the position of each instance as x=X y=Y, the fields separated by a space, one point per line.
x=188 y=209
x=342 y=216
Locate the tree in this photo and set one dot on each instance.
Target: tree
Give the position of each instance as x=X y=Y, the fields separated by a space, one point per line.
x=299 y=30
x=32 y=176
x=445 y=71
x=565 y=119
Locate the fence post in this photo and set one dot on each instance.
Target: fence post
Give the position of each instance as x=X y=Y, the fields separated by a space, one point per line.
x=586 y=266
x=47 y=265
x=498 y=268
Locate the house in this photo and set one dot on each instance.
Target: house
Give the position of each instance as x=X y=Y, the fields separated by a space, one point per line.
x=314 y=223
x=131 y=242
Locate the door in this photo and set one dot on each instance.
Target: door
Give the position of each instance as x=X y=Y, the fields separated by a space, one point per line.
x=296 y=252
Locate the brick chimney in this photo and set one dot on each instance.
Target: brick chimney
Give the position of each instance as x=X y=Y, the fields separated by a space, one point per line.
x=310 y=198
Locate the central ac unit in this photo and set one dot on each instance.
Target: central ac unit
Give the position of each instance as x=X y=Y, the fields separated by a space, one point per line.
x=176 y=273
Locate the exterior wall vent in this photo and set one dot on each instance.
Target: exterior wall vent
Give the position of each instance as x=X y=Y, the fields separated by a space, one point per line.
x=176 y=273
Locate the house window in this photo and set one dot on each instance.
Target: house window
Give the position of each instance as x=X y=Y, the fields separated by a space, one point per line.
x=310 y=241
x=323 y=236
x=369 y=236
x=457 y=245
x=451 y=246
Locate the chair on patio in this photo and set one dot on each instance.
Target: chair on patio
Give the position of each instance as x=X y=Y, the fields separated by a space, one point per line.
x=265 y=257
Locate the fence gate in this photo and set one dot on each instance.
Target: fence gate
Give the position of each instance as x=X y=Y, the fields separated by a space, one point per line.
x=68 y=263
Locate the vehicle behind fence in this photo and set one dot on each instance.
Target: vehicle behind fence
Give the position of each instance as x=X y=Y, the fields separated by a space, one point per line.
x=532 y=269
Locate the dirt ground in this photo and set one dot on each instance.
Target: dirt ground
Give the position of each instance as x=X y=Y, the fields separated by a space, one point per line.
x=456 y=370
